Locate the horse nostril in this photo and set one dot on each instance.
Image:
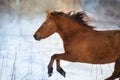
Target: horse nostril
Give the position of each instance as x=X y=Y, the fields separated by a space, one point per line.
x=34 y=36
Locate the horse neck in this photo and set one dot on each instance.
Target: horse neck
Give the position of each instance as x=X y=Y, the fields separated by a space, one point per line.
x=68 y=28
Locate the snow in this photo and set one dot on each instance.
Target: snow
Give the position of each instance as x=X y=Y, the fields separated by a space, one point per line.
x=23 y=58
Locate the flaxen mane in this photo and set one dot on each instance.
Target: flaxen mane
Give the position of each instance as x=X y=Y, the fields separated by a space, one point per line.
x=79 y=17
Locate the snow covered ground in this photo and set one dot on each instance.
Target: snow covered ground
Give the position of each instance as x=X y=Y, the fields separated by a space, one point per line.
x=23 y=58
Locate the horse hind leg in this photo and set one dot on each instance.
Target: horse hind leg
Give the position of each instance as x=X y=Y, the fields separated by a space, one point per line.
x=116 y=73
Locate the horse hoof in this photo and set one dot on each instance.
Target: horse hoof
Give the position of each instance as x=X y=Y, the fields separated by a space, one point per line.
x=109 y=79
x=50 y=71
x=61 y=71
x=49 y=74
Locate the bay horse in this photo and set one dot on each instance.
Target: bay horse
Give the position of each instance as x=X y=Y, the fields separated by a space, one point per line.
x=82 y=43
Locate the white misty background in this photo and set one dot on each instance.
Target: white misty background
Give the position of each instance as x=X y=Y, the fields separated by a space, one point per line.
x=23 y=58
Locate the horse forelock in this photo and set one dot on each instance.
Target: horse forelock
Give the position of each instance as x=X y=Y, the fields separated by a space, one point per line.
x=79 y=17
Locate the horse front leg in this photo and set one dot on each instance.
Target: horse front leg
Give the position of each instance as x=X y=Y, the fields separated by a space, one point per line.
x=58 y=57
x=116 y=73
x=59 y=69
x=50 y=65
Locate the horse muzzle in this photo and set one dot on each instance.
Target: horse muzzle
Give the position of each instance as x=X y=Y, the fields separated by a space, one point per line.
x=37 y=38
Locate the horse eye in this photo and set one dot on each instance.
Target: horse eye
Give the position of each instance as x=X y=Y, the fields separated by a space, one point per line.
x=46 y=23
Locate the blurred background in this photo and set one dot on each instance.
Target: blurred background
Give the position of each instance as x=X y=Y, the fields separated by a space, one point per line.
x=17 y=9
x=23 y=58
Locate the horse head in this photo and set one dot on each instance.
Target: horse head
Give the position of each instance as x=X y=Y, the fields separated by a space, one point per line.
x=48 y=27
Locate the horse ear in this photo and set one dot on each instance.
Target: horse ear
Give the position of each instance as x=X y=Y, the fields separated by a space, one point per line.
x=51 y=14
x=47 y=12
